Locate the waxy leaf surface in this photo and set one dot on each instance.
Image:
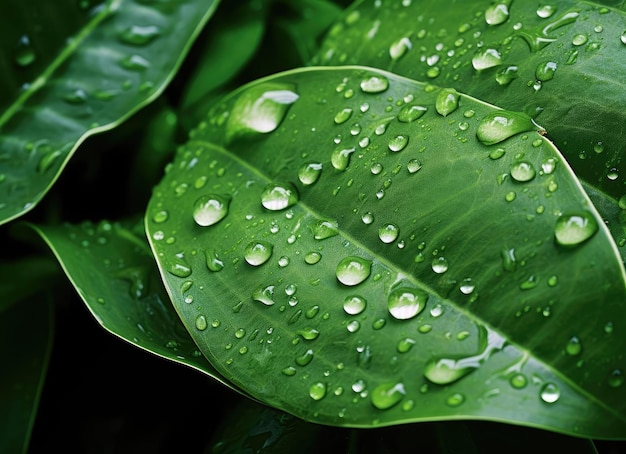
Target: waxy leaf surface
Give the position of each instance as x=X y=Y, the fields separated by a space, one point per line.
x=342 y=246
x=562 y=62
x=57 y=90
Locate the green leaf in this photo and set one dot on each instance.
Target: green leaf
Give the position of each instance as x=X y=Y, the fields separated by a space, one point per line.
x=365 y=260
x=23 y=284
x=561 y=62
x=120 y=58
x=25 y=345
x=111 y=267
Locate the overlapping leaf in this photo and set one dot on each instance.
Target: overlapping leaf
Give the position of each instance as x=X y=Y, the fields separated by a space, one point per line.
x=563 y=62
x=342 y=246
x=119 y=58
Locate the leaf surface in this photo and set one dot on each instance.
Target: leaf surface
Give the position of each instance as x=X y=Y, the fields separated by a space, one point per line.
x=562 y=62
x=119 y=58
x=353 y=264
x=112 y=270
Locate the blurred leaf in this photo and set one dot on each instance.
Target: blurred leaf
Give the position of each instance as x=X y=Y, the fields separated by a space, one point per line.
x=29 y=275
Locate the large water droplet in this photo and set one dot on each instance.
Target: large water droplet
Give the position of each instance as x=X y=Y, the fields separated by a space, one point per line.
x=310 y=172
x=343 y=115
x=522 y=171
x=411 y=113
x=497 y=13
x=210 y=209
x=213 y=262
x=278 y=196
x=354 y=305
x=545 y=71
x=305 y=358
x=546 y=11
x=575 y=228
x=325 y=228
x=506 y=75
x=258 y=252
x=502 y=124
x=405 y=303
x=353 y=270
x=317 y=391
x=550 y=393
x=447 y=101
x=340 y=158
x=486 y=58
x=398 y=143
x=388 y=233
x=259 y=109
x=374 y=84
x=399 y=47
x=439 y=265
x=386 y=395
x=444 y=371
x=264 y=294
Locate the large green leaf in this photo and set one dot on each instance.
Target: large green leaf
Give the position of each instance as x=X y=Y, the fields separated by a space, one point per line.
x=111 y=267
x=489 y=281
x=120 y=58
x=562 y=62
x=25 y=346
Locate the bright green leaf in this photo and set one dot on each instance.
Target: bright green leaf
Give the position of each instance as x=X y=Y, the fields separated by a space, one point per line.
x=120 y=58
x=366 y=260
x=112 y=270
x=562 y=62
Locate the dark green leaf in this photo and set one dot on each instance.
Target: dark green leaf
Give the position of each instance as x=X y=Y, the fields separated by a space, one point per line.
x=562 y=62
x=119 y=59
x=112 y=270
x=356 y=256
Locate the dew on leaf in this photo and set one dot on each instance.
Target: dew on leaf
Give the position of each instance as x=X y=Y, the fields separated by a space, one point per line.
x=398 y=143
x=579 y=39
x=498 y=12
x=518 y=381
x=404 y=345
x=388 y=233
x=405 y=303
x=305 y=358
x=308 y=333
x=210 y=209
x=24 y=52
x=546 y=11
x=353 y=326
x=201 y=323
x=354 y=305
x=413 y=166
x=309 y=173
x=311 y=258
x=317 y=391
x=575 y=228
x=545 y=71
x=502 y=124
x=340 y=158
x=264 y=294
x=616 y=378
x=486 y=58
x=325 y=228
x=258 y=252
x=386 y=395
x=447 y=101
x=139 y=35
x=353 y=270
x=574 y=346
x=399 y=47
x=367 y=218
x=506 y=75
x=439 y=265
x=279 y=196
x=456 y=399
x=343 y=115
x=374 y=84
x=213 y=262
x=550 y=393
x=522 y=171
x=411 y=113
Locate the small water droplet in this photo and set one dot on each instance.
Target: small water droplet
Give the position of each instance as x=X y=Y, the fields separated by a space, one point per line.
x=343 y=115
x=353 y=326
x=579 y=39
x=367 y=218
x=354 y=305
x=506 y=75
x=210 y=209
x=404 y=345
x=325 y=228
x=340 y=158
x=522 y=171
x=399 y=47
x=139 y=35
x=405 y=303
x=353 y=270
x=546 y=11
x=575 y=228
x=439 y=265
x=311 y=258
x=550 y=393
x=310 y=172
x=305 y=358
x=456 y=399
x=497 y=13
x=258 y=252
x=388 y=233
x=279 y=196
x=486 y=58
x=376 y=168
x=616 y=378
x=398 y=143
x=574 y=346
x=289 y=371
x=411 y=113
x=386 y=395
x=308 y=333
x=467 y=286
x=502 y=124
x=518 y=381
x=317 y=391
x=374 y=84
x=545 y=71
x=201 y=323
x=413 y=166
x=24 y=52
x=447 y=101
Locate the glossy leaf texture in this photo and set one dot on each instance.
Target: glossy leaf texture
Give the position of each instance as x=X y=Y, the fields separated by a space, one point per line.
x=562 y=62
x=342 y=246
x=120 y=58
x=26 y=335
x=111 y=268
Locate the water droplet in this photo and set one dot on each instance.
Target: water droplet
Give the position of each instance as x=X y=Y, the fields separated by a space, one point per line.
x=323 y=229
x=179 y=267
x=409 y=114
x=305 y=358
x=455 y=399
x=398 y=143
x=497 y=13
x=259 y=109
x=486 y=58
x=264 y=294
x=444 y=371
x=353 y=270
x=575 y=228
x=608 y=328
x=201 y=323
x=497 y=153
x=310 y=172
x=518 y=381
x=447 y=101
x=574 y=346
x=354 y=305
x=404 y=345
x=467 y=286
x=353 y=326
x=289 y=371
x=439 y=265
x=213 y=262
x=623 y=37
x=539 y=37
x=311 y=258
x=505 y=76
x=522 y=171
x=616 y=378
x=139 y=35
x=386 y=395
x=24 y=52
x=550 y=393
x=340 y=158
x=258 y=252
x=413 y=166
x=553 y=281
x=545 y=71
x=546 y=11
x=308 y=333
x=500 y=125
x=399 y=47
x=374 y=84
x=388 y=233
x=367 y=218
x=317 y=391
x=210 y=209
x=579 y=39
x=405 y=303
x=279 y=196
x=343 y=115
